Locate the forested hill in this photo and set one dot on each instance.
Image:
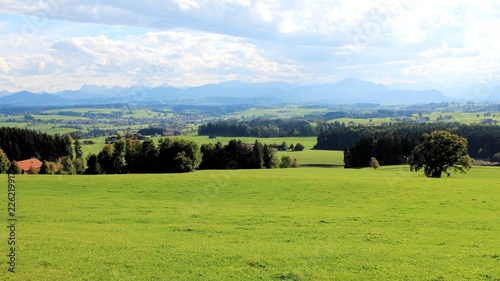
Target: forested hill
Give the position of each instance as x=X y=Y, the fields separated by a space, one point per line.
x=265 y=128
x=392 y=145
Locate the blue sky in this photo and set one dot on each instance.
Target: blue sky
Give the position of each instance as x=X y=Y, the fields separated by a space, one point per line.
x=50 y=45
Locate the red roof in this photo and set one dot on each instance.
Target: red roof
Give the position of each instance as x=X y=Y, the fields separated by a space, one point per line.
x=26 y=164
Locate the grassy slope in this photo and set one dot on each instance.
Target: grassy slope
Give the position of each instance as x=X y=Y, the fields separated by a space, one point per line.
x=316 y=158
x=294 y=224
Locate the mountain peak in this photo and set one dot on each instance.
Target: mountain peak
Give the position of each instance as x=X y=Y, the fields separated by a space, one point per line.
x=356 y=81
x=91 y=88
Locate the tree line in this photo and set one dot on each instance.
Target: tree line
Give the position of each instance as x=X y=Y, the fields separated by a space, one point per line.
x=20 y=144
x=131 y=155
x=135 y=156
x=392 y=145
x=70 y=164
x=238 y=155
x=92 y=133
x=265 y=128
x=181 y=156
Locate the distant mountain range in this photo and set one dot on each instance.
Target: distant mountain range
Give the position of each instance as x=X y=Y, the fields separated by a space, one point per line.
x=347 y=91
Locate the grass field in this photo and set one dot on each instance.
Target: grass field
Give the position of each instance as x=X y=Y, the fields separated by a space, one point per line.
x=84 y=110
x=14 y=124
x=59 y=117
x=286 y=224
x=281 y=112
x=461 y=117
x=316 y=158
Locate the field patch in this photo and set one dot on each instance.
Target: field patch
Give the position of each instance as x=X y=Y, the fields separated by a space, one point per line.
x=285 y=224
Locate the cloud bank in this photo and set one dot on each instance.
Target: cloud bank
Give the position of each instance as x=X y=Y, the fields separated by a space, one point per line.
x=59 y=44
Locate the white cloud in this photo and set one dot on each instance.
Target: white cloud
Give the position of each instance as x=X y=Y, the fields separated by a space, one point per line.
x=4 y=67
x=264 y=11
x=155 y=58
x=192 y=42
x=185 y=5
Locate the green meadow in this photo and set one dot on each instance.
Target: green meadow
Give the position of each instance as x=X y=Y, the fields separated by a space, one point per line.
x=282 y=112
x=460 y=117
x=316 y=158
x=59 y=117
x=283 y=224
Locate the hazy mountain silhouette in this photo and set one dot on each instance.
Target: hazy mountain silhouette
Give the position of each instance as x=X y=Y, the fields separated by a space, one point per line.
x=347 y=91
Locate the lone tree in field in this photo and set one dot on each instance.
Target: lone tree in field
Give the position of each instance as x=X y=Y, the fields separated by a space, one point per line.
x=439 y=152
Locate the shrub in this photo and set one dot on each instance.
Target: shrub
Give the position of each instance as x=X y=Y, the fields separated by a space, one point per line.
x=32 y=171
x=47 y=168
x=14 y=168
x=299 y=147
x=496 y=157
x=286 y=162
x=374 y=163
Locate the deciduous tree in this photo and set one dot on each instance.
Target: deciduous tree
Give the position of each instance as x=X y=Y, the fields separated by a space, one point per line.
x=286 y=162
x=47 y=168
x=67 y=166
x=79 y=166
x=93 y=166
x=299 y=147
x=4 y=162
x=439 y=152
x=271 y=161
x=78 y=149
x=105 y=158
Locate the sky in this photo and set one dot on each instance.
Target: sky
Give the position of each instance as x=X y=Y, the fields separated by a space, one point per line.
x=51 y=45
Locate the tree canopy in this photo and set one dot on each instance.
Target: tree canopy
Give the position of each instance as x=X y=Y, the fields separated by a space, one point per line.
x=439 y=152
x=4 y=162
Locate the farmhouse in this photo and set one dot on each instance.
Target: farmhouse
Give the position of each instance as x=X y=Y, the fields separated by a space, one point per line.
x=26 y=164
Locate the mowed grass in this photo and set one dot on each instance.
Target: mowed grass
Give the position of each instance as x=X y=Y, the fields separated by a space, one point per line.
x=286 y=224
x=462 y=117
x=316 y=158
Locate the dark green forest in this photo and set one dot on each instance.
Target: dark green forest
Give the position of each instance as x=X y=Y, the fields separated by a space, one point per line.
x=392 y=145
x=238 y=155
x=20 y=144
x=129 y=155
x=265 y=128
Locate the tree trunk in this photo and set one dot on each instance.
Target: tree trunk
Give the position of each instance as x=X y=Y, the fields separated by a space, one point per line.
x=437 y=173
